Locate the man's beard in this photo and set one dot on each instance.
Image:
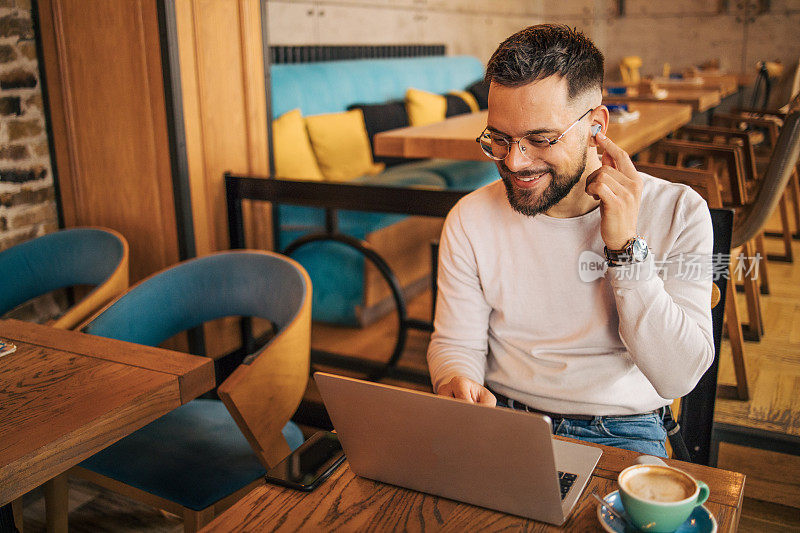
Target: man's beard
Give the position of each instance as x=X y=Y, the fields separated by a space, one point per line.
x=525 y=202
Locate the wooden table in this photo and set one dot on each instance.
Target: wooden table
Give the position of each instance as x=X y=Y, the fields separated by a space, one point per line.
x=741 y=79
x=64 y=396
x=700 y=99
x=725 y=84
x=347 y=503
x=454 y=138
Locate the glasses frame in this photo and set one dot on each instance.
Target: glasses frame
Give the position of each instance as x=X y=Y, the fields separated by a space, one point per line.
x=510 y=141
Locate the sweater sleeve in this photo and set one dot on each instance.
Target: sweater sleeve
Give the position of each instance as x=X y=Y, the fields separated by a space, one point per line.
x=459 y=343
x=665 y=308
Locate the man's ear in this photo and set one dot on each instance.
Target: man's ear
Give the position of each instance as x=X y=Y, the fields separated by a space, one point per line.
x=599 y=123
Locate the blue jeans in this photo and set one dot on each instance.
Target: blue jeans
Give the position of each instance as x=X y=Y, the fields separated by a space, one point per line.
x=640 y=433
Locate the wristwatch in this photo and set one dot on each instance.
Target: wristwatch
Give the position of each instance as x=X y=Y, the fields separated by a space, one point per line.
x=634 y=251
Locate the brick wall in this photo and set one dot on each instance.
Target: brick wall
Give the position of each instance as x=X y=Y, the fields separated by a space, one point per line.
x=27 y=205
x=27 y=195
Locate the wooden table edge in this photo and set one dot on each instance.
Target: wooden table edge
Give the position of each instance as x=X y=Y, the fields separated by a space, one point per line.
x=173 y=387
x=265 y=494
x=698 y=104
x=395 y=143
x=167 y=392
x=627 y=457
x=194 y=372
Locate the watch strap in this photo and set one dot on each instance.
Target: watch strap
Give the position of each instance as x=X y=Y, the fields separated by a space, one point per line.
x=625 y=255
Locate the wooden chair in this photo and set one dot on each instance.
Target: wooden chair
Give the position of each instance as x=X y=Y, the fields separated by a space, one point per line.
x=96 y=257
x=768 y=73
x=792 y=90
x=629 y=69
x=704 y=182
x=726 y=163
x=751 y=180
x=775 y=87
x=767 y=123
x=777 y=117
x=77 y=257
x=203 y=456
x=726 y=136
x=781 y=168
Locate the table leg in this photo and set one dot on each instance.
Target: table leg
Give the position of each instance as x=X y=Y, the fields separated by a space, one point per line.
x=56 y=497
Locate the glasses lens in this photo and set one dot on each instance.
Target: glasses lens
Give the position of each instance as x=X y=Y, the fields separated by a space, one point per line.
x=493 y=146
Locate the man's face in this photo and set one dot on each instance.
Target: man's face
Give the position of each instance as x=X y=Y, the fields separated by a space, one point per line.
x=542 y=177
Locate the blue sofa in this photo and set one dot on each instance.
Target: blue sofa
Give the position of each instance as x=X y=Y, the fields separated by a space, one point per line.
x=344 y=285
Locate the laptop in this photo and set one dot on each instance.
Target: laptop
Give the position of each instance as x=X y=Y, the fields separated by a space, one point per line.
x=501 y=459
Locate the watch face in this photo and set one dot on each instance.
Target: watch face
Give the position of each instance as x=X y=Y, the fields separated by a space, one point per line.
x=639 y=250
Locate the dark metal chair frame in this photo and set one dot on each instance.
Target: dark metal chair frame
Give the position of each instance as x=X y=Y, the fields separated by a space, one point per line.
x=333 y=197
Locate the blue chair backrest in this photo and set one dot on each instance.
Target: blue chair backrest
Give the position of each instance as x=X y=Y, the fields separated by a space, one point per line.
x=79 y=256
x=253 y=284
x=331 y=86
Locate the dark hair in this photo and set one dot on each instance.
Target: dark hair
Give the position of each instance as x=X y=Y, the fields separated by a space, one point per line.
x=540 y=51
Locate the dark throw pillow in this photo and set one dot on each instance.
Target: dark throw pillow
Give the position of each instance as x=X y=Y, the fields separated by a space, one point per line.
x=455 y=105
x=383 y=117
x=480 y=90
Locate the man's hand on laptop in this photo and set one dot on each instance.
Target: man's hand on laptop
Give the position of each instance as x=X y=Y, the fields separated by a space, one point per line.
x=467 y=389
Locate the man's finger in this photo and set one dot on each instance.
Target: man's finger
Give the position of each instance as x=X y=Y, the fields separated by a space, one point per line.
x=462 y=391
x=607 y=160
x=612 y=179
x=486 y=398
x=604 y=192
x=622 y=160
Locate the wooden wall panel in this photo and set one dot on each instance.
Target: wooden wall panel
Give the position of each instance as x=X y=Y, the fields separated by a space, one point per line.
x=224 y=106
x=222 y=80
x=107 y=111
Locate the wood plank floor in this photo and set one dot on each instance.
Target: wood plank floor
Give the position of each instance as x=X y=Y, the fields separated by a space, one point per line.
x=773 y=375
x=772 y=488
x=773 y=364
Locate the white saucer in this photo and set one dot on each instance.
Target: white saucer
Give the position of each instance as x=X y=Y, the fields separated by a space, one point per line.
x=700 y=521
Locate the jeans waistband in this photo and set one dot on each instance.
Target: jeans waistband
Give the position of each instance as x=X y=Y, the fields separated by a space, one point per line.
x=514 y=404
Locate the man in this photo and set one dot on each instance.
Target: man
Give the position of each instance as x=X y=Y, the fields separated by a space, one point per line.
x=520 y=320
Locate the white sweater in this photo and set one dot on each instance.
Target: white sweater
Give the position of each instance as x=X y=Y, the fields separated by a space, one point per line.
x=513 y=312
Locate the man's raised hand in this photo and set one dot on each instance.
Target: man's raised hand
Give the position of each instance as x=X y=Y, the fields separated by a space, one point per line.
x=618 y=186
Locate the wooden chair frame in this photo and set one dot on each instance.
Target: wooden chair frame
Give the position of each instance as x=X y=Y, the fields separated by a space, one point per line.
x=112 y=287
x=726 y=158
x=744 y=119
x=751 y=181
x=704 y=182
x=261 y=396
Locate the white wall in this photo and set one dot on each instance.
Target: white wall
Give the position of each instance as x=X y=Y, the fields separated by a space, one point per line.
x=680 y=32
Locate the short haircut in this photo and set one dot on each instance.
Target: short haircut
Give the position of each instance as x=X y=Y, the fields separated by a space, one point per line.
x=540 y=51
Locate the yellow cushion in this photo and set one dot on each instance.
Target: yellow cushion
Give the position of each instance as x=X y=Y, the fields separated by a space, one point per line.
x=424 y=107
x=468 y=99
x=341 y=145
x=294 y=158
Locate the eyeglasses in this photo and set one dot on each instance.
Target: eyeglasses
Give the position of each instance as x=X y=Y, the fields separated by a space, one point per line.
x=497 y=146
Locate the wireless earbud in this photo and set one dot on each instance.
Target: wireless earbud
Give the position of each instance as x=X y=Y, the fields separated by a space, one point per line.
x=595 y=129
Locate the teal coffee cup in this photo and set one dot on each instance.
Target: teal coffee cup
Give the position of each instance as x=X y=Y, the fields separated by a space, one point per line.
x=659 y=498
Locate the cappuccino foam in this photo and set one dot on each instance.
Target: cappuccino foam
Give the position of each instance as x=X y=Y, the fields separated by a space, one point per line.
x=659 y=485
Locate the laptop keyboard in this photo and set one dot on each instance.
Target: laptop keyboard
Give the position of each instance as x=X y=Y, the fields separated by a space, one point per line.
x=566 y=480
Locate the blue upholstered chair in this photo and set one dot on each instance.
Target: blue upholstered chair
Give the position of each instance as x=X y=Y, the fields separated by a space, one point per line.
x=204 y=455
x=80 y=256
x=95 y=257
